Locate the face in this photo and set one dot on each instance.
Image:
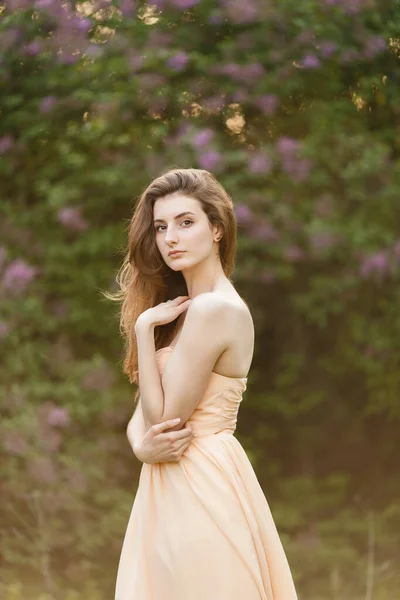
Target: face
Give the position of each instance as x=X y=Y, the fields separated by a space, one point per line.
x=181 y=224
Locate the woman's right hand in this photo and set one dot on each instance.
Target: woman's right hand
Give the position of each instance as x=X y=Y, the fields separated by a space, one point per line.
x=159 y=445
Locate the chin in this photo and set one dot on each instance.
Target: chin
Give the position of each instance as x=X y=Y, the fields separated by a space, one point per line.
x=180 y=264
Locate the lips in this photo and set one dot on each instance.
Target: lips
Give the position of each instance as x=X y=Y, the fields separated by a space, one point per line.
x=176 y=253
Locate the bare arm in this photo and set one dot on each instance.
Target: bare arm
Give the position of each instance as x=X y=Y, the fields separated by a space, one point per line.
x=160 y=443
x=151 y=392
x=204 y=337
x=136 y=429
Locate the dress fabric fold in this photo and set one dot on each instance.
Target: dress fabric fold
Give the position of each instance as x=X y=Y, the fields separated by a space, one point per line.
x=201 y=528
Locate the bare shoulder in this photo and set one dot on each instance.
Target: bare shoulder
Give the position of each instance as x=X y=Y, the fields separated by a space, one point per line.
x=229 y=311
x=210 y=303
x=222 y=325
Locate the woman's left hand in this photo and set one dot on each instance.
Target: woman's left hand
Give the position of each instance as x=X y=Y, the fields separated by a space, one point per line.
x=165 y=312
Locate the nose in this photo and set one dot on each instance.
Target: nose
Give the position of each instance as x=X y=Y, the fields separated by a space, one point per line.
x=170 y=236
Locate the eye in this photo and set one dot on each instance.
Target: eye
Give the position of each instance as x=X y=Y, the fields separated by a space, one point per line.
x=157 y=228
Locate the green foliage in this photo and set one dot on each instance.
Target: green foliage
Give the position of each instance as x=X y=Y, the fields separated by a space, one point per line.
x=295 y=107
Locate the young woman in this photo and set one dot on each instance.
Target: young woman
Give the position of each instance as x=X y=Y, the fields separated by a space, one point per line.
x=200 y=526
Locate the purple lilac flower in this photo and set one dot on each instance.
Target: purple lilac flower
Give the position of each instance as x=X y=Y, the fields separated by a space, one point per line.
x=241 y=12
x=210 y=160
x=252 y=70
x=260 y=162
x=33 y=48
x=127 y=7
x=322 y=240
x=375 y=263
x=352 y=6
x=265 y=232
x=203 y=138
x=231 y=69
x=84 y=25
x=160 y=4
x=287 y=146
x=10 y=37
x=373 y=46
x=71 y=217
x=179 y=61
x=214 y=103
x=18 y=275
x=327 y=48
x=58 y=416
x=294 y=253
x=18 y=4
x=134 y=60
x=67 y=58
x=297 y=168
x=240 y=96
x=310 y=61
x=216 y=18
x=184 y=4
x=6 y=143
x=44 y=3
x=243 y=214
x=182 y=130
x=268 y=103
x=47 y=103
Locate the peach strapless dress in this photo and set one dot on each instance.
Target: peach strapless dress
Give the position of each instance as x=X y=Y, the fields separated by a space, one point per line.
x=201 y=528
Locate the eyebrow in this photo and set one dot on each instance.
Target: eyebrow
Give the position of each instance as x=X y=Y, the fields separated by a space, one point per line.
x=177 y=216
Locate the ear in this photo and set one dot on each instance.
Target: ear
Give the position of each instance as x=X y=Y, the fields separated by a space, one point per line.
x=217 y=233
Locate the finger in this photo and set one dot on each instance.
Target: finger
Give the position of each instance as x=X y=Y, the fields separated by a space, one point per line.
x=184 y=444
x=184 y=305
x=160 y=427
x=182 y=434
x=179 y=434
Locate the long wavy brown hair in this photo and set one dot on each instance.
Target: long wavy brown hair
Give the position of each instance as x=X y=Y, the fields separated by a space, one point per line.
x=144 y=279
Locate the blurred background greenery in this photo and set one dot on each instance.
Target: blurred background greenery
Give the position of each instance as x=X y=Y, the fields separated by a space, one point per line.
x=295 y=108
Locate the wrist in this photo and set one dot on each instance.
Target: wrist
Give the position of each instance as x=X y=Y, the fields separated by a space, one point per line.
x=143 y=323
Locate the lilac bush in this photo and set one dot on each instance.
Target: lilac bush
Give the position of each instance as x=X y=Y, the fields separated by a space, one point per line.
x=295 y=107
